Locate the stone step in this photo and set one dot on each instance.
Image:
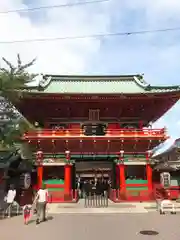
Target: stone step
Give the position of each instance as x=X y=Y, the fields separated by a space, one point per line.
x=96 y=211
x=80 y=208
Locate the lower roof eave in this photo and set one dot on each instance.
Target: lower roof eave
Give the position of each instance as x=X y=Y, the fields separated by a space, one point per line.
x=51 y=164
x=95 y=96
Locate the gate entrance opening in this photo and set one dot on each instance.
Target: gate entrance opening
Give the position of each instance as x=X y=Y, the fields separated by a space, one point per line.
x=94 y=181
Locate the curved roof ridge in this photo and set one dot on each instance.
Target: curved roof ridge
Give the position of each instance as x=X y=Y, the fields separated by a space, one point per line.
x=140 y=81
x=88 y=76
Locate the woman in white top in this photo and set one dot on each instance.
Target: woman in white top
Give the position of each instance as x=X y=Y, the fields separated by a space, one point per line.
x=10 y=199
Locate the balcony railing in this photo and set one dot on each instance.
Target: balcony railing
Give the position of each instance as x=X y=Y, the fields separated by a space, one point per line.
x=109 y=134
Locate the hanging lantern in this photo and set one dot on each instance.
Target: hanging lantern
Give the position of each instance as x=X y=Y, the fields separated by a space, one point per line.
x=122 y=153
x=149 y=152
x=36 y=124
x=165 y=179
x=67 y=156
x=121 y=156
x=39 y=157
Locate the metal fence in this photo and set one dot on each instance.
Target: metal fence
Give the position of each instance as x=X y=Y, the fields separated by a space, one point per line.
x=10 y=211
x=96 y=201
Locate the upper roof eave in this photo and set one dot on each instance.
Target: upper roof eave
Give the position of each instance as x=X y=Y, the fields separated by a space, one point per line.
x=140 y=85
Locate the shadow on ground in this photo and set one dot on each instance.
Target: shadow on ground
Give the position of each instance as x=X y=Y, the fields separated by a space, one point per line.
x=49 y=218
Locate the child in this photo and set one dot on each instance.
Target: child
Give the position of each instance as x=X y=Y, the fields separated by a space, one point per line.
x=27 y=213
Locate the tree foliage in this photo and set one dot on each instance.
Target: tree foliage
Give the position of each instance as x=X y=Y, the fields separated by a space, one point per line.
x=12 y=132
x=12 y=79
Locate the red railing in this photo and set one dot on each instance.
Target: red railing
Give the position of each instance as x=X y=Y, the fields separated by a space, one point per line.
x=110 y=133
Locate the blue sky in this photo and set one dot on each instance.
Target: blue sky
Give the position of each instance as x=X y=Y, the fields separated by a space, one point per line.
x=155 y=55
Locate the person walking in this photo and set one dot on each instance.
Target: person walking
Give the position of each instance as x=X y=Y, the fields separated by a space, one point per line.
x=41 y=200
x=27 y=213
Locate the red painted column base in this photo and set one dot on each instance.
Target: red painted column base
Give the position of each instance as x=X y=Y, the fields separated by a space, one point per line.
x=149 y=180
x=67 y=182
x=122 y=181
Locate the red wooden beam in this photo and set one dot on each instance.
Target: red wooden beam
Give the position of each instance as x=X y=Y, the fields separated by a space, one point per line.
x=136 y=185
x=54 y=185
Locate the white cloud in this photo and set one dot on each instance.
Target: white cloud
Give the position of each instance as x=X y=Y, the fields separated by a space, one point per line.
x=171 y=121
x=73 y=56
x=58 y=56
x=161 y=10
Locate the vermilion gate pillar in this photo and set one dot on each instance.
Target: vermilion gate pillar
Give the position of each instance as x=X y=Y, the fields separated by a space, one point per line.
x=67 y=174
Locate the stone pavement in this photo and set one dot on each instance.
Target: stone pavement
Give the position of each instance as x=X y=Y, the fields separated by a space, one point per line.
x=93 y=227
x=78 y=208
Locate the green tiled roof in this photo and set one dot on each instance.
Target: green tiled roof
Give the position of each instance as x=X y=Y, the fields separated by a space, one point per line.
x=128 y=84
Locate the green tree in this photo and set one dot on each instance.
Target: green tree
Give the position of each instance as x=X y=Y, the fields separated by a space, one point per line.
x=12 y=79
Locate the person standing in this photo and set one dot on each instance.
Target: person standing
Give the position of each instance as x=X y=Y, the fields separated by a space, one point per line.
x=41 y=200
x=85 y=188
x=79 y=187
x=10 y=199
